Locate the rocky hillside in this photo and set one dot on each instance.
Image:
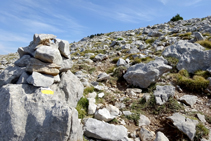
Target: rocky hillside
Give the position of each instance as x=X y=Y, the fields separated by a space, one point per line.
x=147 y=84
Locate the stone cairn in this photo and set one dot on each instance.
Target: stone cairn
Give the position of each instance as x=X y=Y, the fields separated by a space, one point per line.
x=45 y=58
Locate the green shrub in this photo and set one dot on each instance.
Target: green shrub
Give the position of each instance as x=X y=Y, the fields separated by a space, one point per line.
x=119 y=71
x=119 y=39
x=201 y=131
x=172 y=60
x=205 y=43
x=197 y=83
x=82 y=107
x=92 y=57
x=202 y=73
x=134 y=117
x=150 y=41
x=88 y=90
x=176 y=18
x=115 y=60
x=208 y=119
x=110 y=69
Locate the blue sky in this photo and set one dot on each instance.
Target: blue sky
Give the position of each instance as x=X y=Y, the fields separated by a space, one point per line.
x=74 y=19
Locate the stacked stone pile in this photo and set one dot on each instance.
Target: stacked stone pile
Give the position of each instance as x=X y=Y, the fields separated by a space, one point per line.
x=26 y=112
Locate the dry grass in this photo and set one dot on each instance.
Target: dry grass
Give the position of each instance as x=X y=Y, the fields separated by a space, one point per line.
x=205 y=43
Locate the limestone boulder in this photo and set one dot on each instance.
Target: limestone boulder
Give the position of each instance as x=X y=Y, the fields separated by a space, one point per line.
x=10 y=75
x=163 y=93
x=36 y=65
x=40 y=80
x=23 y=61
x=100 y=130
x=27 y=114
x=72 y=87
x=184 y=124
x=48 y=54
x=64 y=48
x=143 y=75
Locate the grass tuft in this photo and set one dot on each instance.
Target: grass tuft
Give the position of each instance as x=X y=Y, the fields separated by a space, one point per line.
x=201 y=131
x=82 y=107
x=205 y=43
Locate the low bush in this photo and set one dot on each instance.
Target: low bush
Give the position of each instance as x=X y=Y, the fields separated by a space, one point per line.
x=82 y=107
x=88 y=90
x=150 y=41
x=197 y=83
x=201 y=131
x=119 y=39
x=176 y=18
x=205 y=43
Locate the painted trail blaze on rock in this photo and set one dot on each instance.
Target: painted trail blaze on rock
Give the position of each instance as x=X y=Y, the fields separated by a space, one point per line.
x=47 y=91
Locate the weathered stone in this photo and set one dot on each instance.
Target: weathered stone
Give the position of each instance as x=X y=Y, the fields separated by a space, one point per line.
x=126 y=113
x=23 y=61
x=72 y=88
x=40 y=80
x=189 y=99
x=189 y=55
x=143 y=120
x=41 y=67
x=114 y=111
x=23 y=78
x=66 y=65
x=146 y=135
x=92 y=106
x=143 y=75
x=161 y=137
x=163 y=93
x=10 y=75
x=103 y=114
x=186 y=125
x=201 y=117
x=198 y=36
x=103 y=77
x=48 y=54
x=64 y=48
x=100 y=57
x=27 y=114
x=121 y=62
x=38 y=38
x=100 y=130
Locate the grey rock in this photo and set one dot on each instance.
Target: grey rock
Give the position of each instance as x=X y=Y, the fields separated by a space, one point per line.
x=40 y=80
x=143 y=120
x=127 y=46
x=40 y=37
x=23 y=78
x=92 y=106
x=57 y=79
x=66 y=65
x=126 y=113
x=38 y=66
x=198 y=36
x=146 y=135
x=163 y=93
x=189 y=99
x=121 y=62
x=10 y=75
x=161 y=137
x=103 y=77
x=133 y=51
x=101 y=95
x=100 y=130
x=189 y=55
x=114 y=111
x=100 y=57
x=201 y=117
x=48 y=54
x=23 y=61
x=64 y=48
x=186 y=125
x=27 y=114
x=103 y=114
x=143 y=75
x=72 y=87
